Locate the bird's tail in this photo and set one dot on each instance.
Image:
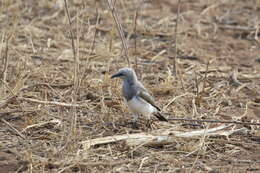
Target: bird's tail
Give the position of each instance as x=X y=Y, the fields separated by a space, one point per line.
x=160 y=116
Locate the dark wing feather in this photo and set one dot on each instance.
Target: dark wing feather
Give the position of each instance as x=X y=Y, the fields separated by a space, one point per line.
x=160 y=116
x=143 y=93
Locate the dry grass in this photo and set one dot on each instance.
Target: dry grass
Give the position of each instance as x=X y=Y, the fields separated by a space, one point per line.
x=54 y=97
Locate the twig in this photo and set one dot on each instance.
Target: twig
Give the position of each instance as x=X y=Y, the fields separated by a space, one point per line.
x=5 y=59
x=13 y=129
x=70 y=29
x=76 y=59
x=175 y=98
x=76 y=62
x=3 y=75
x=176 y=41
x=76 y=67
x=256 y=32
x=135 y=23
x=51 y=123
x=51 y=102
x=213 y=121
x=119 y=29
x=95 y=33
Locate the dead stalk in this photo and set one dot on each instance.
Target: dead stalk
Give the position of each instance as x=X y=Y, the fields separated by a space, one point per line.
x=5 y=62
x=214 y=121
x=70 y=29
x=95 y=33
x=176 y=40
x=76 y=66
x=135 y=23
x=119 y=29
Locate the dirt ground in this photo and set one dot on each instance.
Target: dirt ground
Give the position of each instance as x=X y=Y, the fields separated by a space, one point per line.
x=54 y=97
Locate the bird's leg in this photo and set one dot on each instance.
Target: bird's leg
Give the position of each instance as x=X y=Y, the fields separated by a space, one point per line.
x=149 y=123
x=134 y=121
x=135 y=118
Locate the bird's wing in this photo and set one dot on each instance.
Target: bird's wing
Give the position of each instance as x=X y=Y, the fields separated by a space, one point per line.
x=143 y=93
x=160 y=116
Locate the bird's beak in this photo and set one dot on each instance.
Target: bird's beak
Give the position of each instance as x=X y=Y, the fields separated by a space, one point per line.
x=116 y=75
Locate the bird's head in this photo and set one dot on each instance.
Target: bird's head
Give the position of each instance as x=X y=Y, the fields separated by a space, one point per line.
x=125 y=74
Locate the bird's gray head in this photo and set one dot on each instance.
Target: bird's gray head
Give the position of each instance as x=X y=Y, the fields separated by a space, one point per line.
x=127 y=74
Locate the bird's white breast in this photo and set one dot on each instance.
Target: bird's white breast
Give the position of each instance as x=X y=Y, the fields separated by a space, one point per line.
x=140 y=106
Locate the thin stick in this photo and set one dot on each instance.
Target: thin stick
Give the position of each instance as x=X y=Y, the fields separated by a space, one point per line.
x=256 y=32
x=51 y=102
x=214 y=121
x=76 y=67
x=5 y=59
x=13 y=129
x=119 y=29
x=70 y=29
x=135 y=23
x=95 y=33
x=76 y=60
x=176 y=40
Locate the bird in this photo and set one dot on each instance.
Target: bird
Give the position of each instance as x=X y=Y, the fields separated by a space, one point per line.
x=138 y=99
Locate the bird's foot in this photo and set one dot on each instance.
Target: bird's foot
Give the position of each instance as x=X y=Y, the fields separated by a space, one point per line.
x=134 y=122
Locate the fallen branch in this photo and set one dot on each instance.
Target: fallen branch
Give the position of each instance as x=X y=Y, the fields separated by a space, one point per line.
x=157 y=137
